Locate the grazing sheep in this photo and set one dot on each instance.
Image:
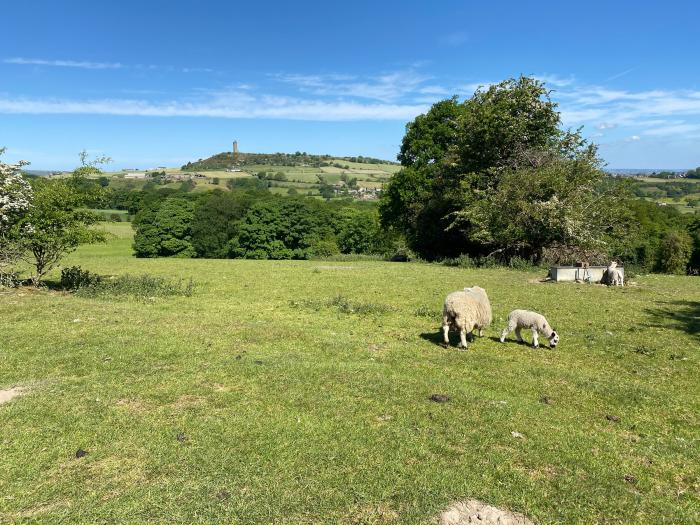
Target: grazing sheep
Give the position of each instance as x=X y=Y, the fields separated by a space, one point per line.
x=466 y=310
x=612 y=276
x=519 y=319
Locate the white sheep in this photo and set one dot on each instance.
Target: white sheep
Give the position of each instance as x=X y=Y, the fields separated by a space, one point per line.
x=612 y=276
x=466 y=310
x=519 y=319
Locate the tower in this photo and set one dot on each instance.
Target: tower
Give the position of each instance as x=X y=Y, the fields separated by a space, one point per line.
x=235 y=151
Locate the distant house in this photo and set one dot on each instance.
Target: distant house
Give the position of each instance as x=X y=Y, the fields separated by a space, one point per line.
x=134 y=175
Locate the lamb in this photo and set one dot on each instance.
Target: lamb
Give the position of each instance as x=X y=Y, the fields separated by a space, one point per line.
x=612 y=276
x=466 y=310
x=519 y=319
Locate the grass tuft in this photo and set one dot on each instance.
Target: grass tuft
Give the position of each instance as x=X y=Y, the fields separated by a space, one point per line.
x=141 y=287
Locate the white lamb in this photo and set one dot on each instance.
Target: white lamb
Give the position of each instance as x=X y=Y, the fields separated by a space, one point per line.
x=612 y=276
x=466 y=310
x=519 y=319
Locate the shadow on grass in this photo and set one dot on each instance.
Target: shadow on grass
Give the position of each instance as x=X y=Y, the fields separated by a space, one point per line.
x=433 y=337
x=678 y=315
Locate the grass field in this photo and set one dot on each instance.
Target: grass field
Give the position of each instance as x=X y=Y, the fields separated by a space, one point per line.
x=264 y=398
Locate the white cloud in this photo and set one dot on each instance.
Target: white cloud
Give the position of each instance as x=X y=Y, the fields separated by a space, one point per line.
x=606 y=125
x=223 y=105
x=386 y=87
x=676 y=129
x=63 y=63
x=82 y=64
x=556 y=80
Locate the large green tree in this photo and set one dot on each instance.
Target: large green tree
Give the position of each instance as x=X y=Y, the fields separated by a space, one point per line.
x=163 y=229
x=470 y=168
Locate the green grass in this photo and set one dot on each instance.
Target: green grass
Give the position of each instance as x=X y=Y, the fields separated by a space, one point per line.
x=299 y=393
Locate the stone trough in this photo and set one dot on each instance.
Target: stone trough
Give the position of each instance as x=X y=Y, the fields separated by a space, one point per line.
x=592 y=274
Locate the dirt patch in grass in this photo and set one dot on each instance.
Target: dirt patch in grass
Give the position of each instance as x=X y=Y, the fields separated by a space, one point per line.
x=35 y=512
x=371 y=514
x=188 y=401
x=132 y=405
x=11 y=393
x=478 y=512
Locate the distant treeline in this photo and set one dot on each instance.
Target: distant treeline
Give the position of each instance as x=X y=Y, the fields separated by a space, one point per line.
x=690 y=174
x=225 y=160
x=248 y=222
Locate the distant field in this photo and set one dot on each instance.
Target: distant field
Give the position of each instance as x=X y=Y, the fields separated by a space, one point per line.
x=664 y=181
x=266 y=398
x=299 y=177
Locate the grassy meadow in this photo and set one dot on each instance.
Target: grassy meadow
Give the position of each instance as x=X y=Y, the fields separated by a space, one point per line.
x=298 y=392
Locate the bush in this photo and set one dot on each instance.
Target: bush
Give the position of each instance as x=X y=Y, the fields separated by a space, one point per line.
x=674 y=252
x=141 y=287
x=463 y=261
x=520 y=263
x=115 y=217
x=74 y=278
x=9 y=279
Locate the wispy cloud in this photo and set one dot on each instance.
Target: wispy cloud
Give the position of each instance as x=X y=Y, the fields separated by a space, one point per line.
x=556 y=80
x=83 y=64
x=676 y=129
x=385 y=87
x=223 y=105
x=620 y=74
x=63 y=63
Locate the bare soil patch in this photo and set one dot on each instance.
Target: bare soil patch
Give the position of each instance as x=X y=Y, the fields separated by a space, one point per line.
x=477 y=512
x=10 y=393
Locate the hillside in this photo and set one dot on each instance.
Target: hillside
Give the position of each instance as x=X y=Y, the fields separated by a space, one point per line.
x=225 y=160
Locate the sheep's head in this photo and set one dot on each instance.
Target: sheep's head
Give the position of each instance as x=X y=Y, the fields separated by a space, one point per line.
x=554 y=339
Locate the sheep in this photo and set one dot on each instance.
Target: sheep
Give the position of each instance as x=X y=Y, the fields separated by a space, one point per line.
x=612 y=276
x=466 y=310
x=519 y=319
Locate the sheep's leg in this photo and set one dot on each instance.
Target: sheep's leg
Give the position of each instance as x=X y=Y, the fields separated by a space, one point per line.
x=518 y=336
x=463 y=338
x=481 y=332
x=445 y=333
x=504 y=333
x=535 y=342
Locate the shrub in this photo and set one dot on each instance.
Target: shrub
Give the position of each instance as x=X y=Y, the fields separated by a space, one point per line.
x=346 y=306
x=9 y=279
x=674 y=252
x=520 y=263
x=140 y=287
x=115 y=217
x=74 y=277
x=463 y=261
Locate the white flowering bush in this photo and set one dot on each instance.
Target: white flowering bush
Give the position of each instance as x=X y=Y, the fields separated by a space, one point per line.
x=15 y=195
x=15 y=202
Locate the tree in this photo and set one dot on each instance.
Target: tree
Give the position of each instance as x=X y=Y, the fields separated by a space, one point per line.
x=164 y=229
x=456 y=156
x=56 y=224
x=674 y=252
x=215 y=221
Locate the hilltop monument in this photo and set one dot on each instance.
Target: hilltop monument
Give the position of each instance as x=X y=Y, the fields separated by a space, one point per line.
x=235 y=151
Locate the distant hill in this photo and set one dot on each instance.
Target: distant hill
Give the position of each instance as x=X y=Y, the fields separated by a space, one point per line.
x=224 y=160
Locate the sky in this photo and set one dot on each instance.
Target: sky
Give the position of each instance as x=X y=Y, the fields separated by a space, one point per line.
x=161 y=83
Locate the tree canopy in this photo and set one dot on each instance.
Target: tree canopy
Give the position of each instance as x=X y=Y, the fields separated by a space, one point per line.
x=498 y=174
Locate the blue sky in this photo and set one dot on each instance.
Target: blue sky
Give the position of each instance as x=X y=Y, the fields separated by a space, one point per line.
x=160 y=83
